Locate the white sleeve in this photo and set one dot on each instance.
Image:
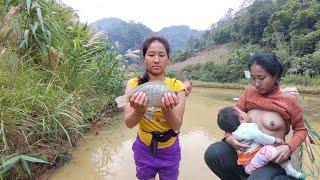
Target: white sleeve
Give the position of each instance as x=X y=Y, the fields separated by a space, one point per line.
x=240 y=132
x=261 y=138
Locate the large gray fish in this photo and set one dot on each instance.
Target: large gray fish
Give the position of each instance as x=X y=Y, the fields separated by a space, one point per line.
x=153 y=89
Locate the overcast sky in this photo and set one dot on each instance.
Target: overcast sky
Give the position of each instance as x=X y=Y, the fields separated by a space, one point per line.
x=198 y=14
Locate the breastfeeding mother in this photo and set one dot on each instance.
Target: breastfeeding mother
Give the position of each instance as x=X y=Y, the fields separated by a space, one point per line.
x=263 y=101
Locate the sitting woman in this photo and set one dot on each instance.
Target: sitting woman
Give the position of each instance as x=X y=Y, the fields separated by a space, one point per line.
x=262 y=101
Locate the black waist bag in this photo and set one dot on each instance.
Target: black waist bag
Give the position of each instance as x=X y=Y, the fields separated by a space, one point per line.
x=160 y=137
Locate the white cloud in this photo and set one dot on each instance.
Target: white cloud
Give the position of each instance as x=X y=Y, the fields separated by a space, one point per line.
x=198 y=14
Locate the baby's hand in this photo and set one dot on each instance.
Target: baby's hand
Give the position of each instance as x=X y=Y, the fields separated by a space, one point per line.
x=279 y=141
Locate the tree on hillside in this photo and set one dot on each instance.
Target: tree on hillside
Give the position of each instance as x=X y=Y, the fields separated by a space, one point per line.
x=255 y=19
x=178 y=36
x=291 y=27
x=128 y=35
x=298 y=22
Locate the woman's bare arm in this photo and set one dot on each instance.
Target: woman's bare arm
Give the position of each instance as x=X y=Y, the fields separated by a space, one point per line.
x=173 y=109
x=135 y=108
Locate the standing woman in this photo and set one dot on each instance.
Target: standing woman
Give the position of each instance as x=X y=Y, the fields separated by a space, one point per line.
x=156 y=148
x=273 y=111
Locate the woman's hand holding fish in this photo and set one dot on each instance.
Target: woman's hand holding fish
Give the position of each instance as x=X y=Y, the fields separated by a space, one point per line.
x=139 y=101
x=169 y=101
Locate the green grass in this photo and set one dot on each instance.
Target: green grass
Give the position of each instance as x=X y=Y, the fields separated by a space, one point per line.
x=301 y=80
x=54 y=80
x=197 y=83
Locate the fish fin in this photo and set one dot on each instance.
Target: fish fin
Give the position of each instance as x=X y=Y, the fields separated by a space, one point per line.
x=121 y=101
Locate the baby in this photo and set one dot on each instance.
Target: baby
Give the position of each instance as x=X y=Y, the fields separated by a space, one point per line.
x=260 y=151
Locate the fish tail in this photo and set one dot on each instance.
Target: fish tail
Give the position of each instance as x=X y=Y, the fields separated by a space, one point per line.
x=122 y=101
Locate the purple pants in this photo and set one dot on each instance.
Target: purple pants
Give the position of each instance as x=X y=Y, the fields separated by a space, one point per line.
x=165 y=162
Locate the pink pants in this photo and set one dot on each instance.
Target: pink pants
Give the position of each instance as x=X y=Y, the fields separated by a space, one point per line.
x=263 y=157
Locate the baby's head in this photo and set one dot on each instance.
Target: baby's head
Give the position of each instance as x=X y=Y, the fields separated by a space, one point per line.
x=229 y=118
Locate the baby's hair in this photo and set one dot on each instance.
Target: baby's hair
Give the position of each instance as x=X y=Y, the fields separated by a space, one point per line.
x=228 y=119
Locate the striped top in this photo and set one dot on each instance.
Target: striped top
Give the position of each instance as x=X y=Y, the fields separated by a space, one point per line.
x=285 y=104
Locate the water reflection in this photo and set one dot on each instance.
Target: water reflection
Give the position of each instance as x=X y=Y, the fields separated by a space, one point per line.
x=192 y=165
x=110 y=160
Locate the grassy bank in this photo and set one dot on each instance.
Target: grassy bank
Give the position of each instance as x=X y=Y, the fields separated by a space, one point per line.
x=56 y=77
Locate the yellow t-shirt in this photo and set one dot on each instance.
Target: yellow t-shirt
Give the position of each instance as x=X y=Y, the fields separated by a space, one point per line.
x=157 y=121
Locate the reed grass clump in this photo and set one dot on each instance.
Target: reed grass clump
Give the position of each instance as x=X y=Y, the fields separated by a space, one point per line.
x=55 y=77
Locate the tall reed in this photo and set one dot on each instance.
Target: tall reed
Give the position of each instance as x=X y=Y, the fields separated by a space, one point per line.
x=55 y=76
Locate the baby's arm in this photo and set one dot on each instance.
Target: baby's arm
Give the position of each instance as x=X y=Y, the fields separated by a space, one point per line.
x=265 y=139
x=250 y=132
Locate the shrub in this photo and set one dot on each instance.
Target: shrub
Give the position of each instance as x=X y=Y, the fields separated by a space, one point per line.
x=182 y=55
x=215 y=72
x=301 y=80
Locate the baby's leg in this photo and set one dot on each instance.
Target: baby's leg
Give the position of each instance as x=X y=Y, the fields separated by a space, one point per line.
x=287 y=166
x=263 y=157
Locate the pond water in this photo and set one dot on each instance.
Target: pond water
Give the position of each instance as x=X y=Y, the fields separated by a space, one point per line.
x=108 y=155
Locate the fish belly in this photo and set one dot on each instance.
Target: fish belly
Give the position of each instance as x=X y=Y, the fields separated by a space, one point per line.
x=155 y=94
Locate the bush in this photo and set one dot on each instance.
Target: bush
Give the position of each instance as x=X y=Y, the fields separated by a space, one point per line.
x=225 y=72
x=182 y=55
x=172 y=74
x=215 y=72
x=315 y=62
x=301 y=80
x=305 y=43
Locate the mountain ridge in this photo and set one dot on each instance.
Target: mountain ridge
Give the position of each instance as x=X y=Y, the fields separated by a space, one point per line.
x=129 y=35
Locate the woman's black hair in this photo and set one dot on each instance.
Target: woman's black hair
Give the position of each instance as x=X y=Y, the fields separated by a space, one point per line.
x=269 y=62
x=228 y=119
x=144 y=47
